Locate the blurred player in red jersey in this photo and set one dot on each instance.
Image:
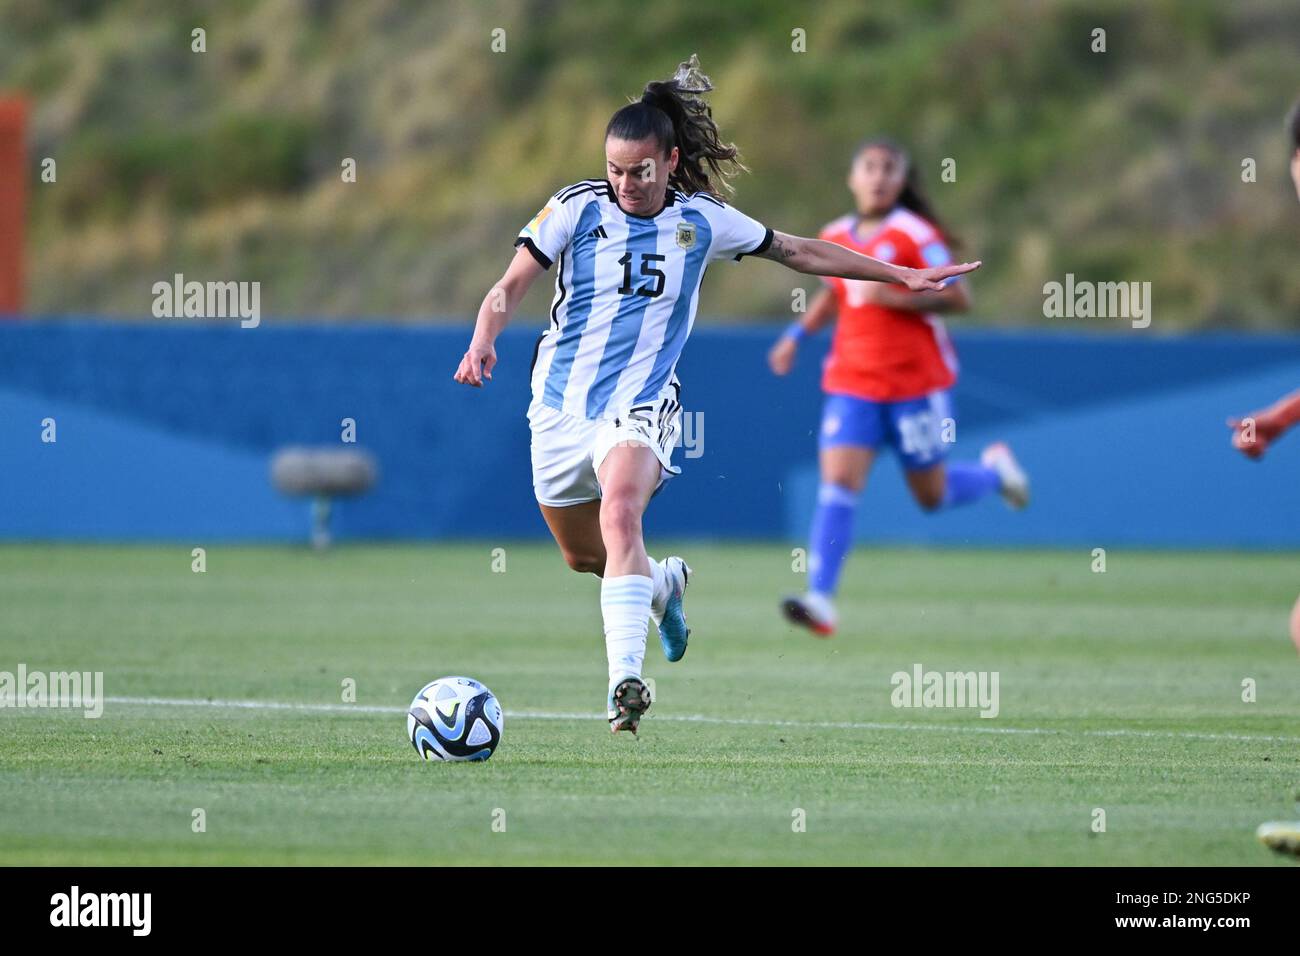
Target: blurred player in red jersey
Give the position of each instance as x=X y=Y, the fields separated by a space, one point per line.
x=1268 y=426
x=887 y=376
x=1253 y=434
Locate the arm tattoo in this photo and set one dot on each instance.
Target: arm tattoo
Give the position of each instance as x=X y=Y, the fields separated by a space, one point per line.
x=779 y=251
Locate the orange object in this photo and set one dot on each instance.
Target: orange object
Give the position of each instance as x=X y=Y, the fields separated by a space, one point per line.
x=13 y=203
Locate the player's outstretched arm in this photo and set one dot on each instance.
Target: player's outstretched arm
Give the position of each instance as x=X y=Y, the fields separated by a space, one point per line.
x=822 y=258
x=1253 y=434
x=497 y=308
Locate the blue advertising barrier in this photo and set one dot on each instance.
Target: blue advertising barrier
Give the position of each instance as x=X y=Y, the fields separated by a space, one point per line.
x=165 y=432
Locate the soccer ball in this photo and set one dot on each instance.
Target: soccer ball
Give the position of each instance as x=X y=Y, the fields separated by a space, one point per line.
x=455 y=718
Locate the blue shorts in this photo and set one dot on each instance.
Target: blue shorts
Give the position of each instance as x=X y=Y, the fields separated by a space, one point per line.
x=919 y=429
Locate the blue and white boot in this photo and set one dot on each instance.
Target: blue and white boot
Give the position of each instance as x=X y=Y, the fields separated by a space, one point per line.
x=629 y=699
x=670 y=618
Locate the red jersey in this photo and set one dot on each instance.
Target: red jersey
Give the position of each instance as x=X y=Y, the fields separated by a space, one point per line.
x=883 y=354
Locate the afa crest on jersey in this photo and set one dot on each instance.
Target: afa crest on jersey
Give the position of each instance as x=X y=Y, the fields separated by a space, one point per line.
x=686 y=234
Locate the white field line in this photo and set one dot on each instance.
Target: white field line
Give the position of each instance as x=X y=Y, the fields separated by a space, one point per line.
x=701 y=719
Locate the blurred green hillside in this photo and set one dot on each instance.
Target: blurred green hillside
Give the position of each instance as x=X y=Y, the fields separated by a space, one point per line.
x=1123 y=165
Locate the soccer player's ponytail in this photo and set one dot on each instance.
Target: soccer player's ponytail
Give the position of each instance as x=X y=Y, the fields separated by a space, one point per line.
x=672 y=112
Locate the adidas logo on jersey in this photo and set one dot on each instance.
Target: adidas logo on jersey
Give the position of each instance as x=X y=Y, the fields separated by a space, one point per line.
x=597 y=233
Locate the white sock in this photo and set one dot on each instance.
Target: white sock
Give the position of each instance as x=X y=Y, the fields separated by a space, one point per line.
x=822 y=604
x=662 y=586
x=625 y=605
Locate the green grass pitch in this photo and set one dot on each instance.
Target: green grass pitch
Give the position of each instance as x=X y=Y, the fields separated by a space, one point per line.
x=1120 y=691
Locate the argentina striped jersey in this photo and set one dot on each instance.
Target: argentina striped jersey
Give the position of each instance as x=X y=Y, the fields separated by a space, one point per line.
x=626 y=291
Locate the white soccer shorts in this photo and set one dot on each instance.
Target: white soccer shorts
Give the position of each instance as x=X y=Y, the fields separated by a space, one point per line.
x=567 y=451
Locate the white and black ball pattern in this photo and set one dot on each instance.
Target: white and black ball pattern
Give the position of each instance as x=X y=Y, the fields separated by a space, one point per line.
x=455 y=718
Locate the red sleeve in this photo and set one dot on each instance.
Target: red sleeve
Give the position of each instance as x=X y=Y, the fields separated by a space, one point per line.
x=909 y=253
x=1287 y=410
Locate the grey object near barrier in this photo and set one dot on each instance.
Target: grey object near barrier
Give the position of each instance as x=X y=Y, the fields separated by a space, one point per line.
x=323 y=474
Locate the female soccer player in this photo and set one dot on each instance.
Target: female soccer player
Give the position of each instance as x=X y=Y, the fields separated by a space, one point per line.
x=632 y=249
x=1253 y=434
x=887 y=376
x=1268 y=426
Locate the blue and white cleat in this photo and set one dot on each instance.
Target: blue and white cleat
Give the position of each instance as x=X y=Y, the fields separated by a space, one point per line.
x=671 y=619
x=629 y=699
